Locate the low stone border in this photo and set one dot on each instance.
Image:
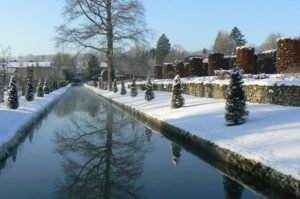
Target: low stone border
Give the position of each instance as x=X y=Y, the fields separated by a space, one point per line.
x=9 y=146
x=275 y=94
x=248 y=172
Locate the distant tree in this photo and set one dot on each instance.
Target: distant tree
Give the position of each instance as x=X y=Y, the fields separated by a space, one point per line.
x=163 y=48
x=133 y=89
x=270 y=43
x=39 y=89
x=54 y=85
x=204 y=52
x=133 y=61
x=93 y=67
x=177 y=98
x=177 y=52
x=123 y=89
x=103 y=25
x=46 y=87
x=29 y=93
x=238 y=37
x=115 y=86
x=13 y=98
x=66 y=63
x=236 y=112
x=224 y=43
x=149 y=94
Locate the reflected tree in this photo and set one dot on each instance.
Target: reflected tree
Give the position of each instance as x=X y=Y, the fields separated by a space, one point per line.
x=102 y=156
x=232 y=189
x=176 y=153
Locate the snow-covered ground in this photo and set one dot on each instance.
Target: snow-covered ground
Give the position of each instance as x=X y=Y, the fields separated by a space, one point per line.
x=279 y=79
x=12 y=121
x=270 y=136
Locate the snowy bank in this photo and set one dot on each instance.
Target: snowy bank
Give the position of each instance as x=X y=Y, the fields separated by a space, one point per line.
x=14 y=123
x=270 y=138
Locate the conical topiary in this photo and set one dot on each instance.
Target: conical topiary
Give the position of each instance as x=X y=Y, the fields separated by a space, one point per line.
x=39 y=89
x=46 y=88
x=13 y=98
x=236 y=112
x=104 y=85
x=133 y=89
x=110 y=86
x=177 y=98
x=123 y=89
x=29 y=93
x=176 y=153
x=115 y=86
x=149 y=94
x=50 y=86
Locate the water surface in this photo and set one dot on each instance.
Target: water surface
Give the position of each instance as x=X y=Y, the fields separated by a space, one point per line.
x=85 y=148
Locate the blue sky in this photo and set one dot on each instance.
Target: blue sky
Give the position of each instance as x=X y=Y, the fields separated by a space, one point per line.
x=28 y=25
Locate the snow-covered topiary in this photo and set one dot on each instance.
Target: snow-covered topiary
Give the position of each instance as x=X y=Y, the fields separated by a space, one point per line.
x=46 y=88
x=29 y=93
x=110 y=88
x=176 y=153
x=236 y=112
x=149 y=94
x=2 y=83
x=54 y=85
x=133 y=89
x=39 y=89
x=104 y=85
x=13 y=98
x=177 y=98
x=115 y=86
x=123 y=89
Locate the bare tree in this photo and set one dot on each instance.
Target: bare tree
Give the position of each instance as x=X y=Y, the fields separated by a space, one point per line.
x=5 y=53
x=270 y=43
x=102 y=25
x=177 y=52
x=224 y=43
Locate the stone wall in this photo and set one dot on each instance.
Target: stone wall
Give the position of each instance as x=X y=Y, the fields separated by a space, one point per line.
x=282 y=95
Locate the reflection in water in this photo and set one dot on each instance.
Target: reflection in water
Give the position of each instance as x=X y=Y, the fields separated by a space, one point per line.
x=102 y=157
x=102 y=153
x=232 y=189
x=176 y=153
x=148 y=134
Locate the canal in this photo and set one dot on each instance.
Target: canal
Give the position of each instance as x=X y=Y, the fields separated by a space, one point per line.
x=85 y=148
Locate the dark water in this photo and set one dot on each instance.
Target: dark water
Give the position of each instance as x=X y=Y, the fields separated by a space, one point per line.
x=85 y=148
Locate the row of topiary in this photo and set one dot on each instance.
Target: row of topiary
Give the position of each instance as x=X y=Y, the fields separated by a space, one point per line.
x=235 y=110
x=42 y=88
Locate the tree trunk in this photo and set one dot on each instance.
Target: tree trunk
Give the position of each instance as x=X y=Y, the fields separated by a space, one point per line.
x=109 y=53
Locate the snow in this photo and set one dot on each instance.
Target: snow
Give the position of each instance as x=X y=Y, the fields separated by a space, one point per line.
x=271 y=135
x=12 y=121
x=16 y=64
x=269 y=51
